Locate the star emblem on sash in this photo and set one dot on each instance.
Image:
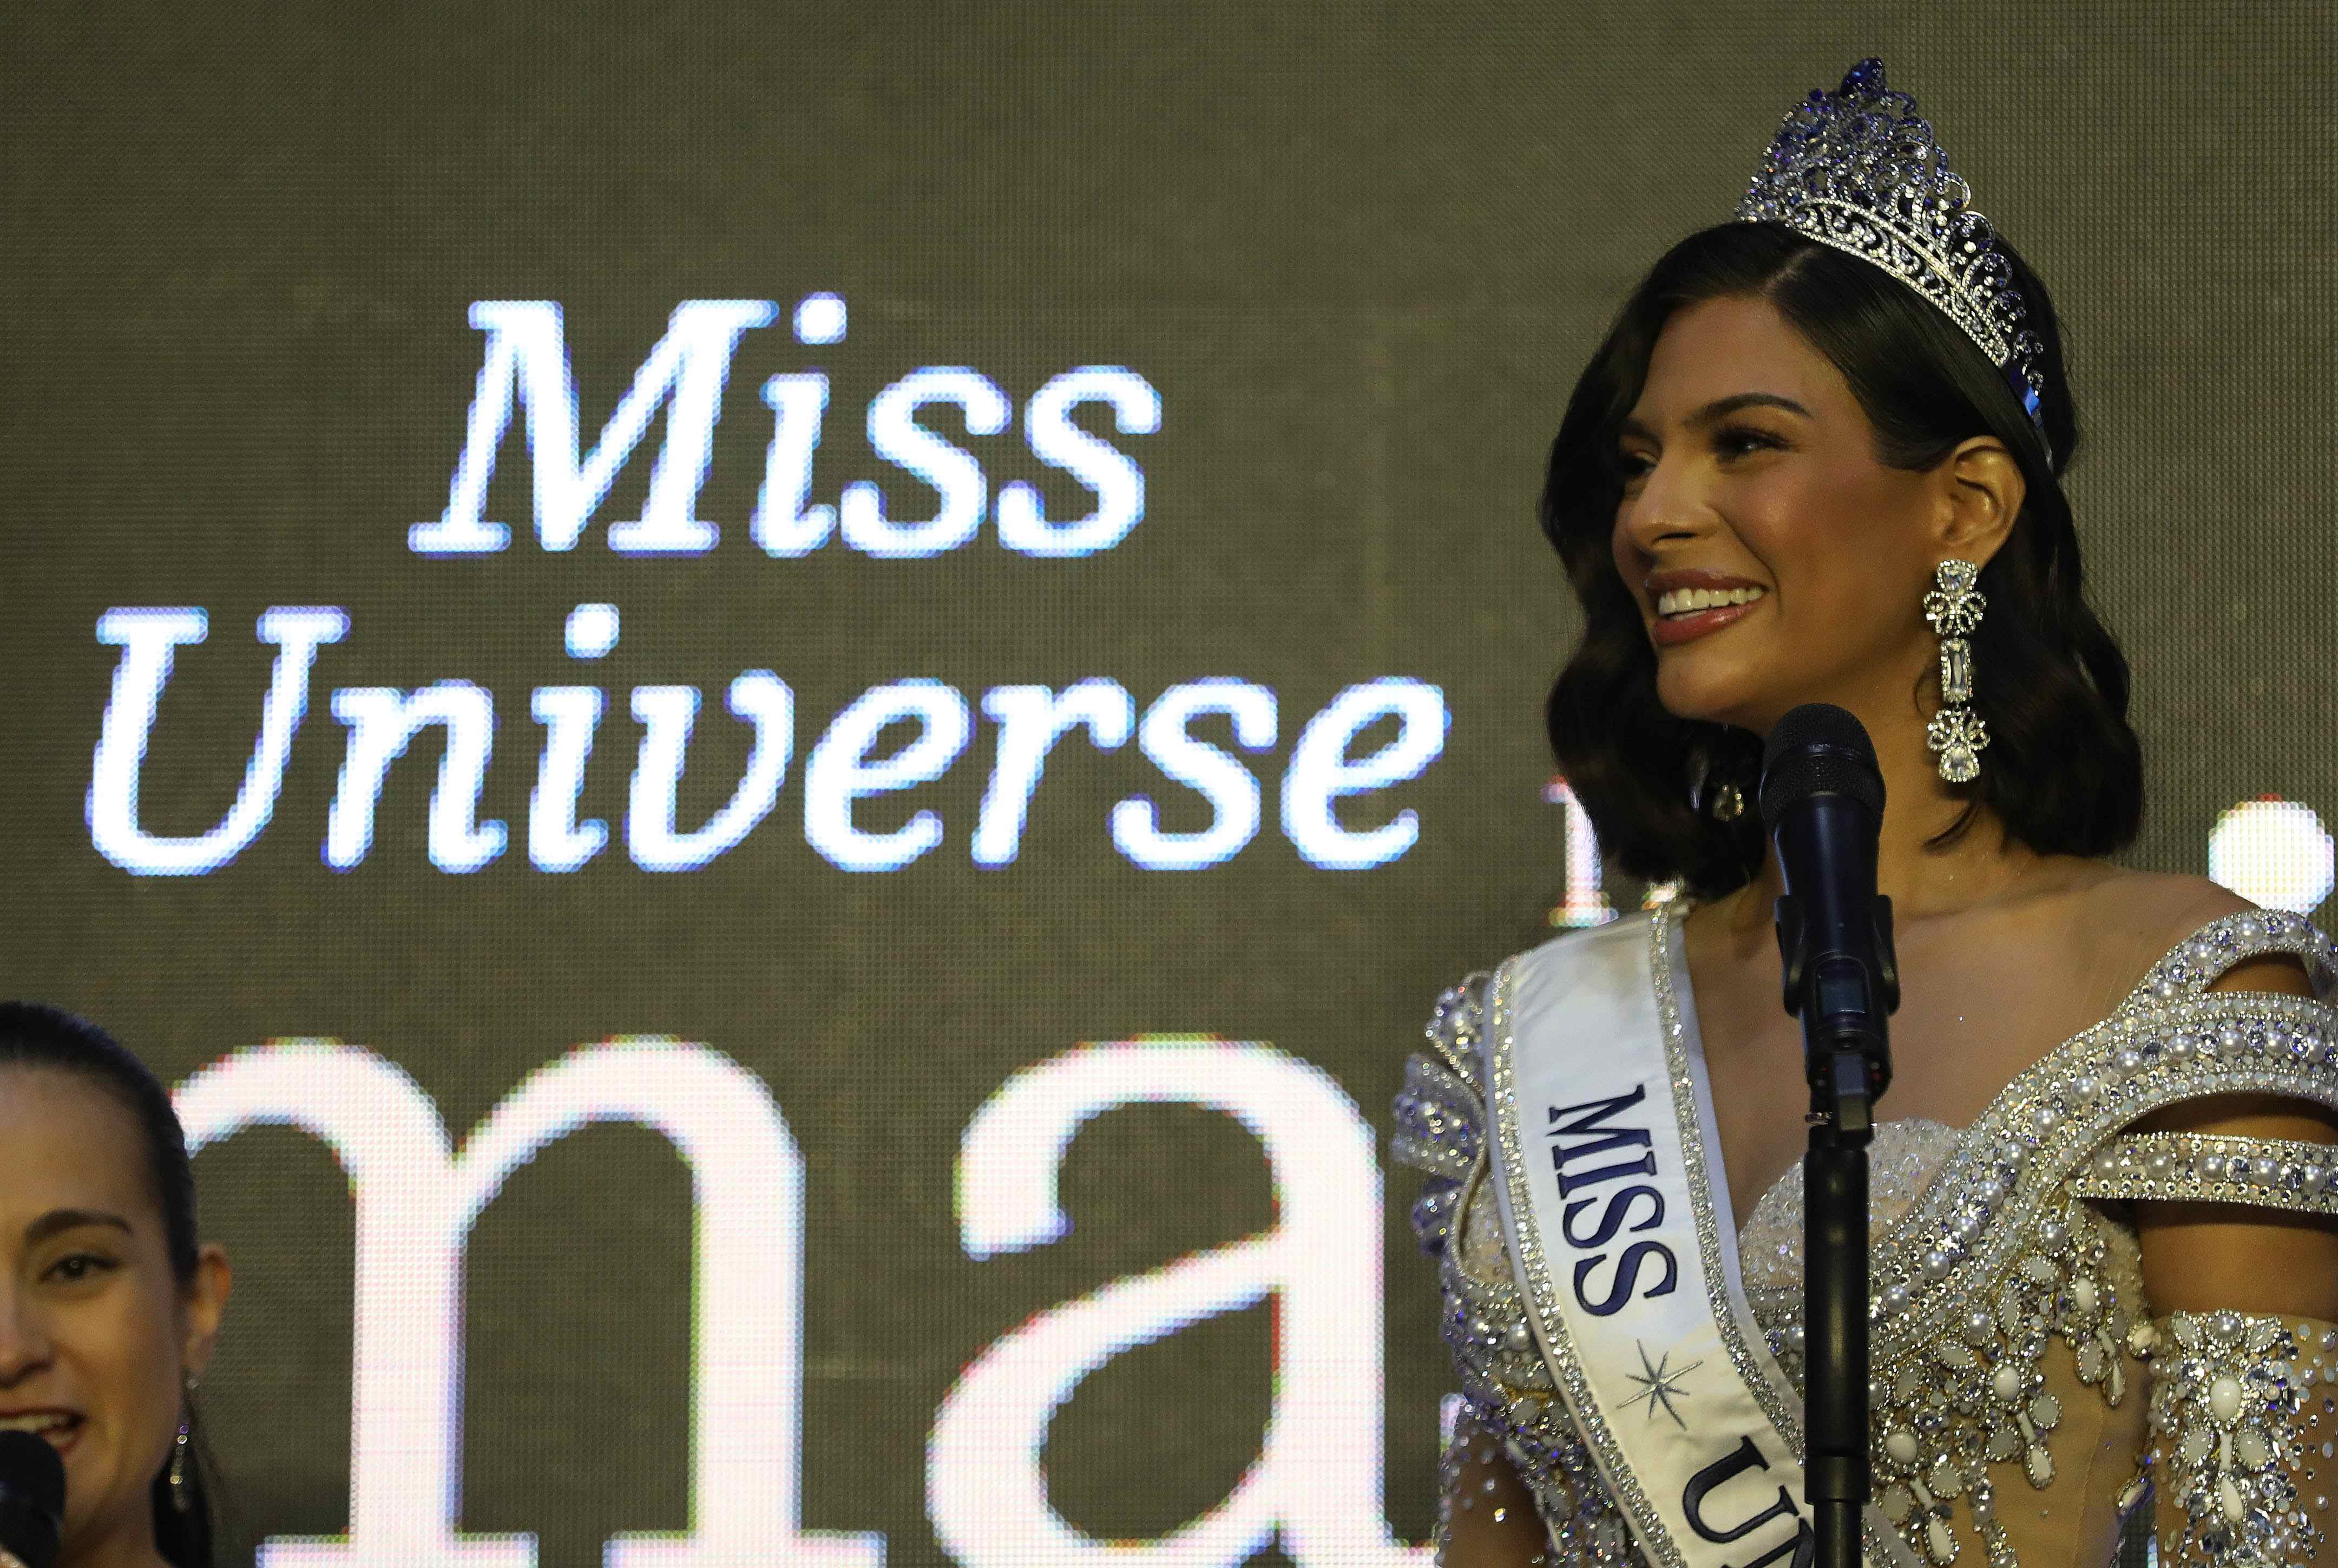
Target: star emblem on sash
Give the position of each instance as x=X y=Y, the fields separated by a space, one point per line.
x=1660 y=1387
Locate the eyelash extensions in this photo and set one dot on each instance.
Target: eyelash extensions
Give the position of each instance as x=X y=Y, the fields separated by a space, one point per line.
x=1625 y=461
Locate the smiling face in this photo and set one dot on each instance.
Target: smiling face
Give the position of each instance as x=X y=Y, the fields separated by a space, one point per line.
x=96 y=1335
x=1775 y=560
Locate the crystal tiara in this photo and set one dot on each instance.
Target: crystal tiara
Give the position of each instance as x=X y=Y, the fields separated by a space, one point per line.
x=1858 y=170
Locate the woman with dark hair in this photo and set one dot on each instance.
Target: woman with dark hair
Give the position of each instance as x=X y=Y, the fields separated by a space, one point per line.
x=1818 y=458
x=111 y=1304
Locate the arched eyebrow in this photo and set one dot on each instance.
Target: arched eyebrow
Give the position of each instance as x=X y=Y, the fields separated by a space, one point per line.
x=57 y=1221
x=1720 y=409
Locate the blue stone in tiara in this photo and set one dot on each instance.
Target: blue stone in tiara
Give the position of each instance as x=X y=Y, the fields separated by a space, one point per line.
x=1856 y=169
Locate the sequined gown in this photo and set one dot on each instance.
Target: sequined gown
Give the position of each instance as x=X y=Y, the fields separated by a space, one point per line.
x=2028 y=1398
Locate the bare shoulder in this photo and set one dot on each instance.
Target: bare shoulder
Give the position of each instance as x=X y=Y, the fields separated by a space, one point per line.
x=2162 y=908
x=2154 y=910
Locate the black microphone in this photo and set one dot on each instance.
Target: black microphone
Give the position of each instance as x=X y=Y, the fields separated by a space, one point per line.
x=32 y=1502
x=1823 y=805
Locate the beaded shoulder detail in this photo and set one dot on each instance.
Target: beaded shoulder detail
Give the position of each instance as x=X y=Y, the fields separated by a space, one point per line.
x=2211 y=1167
x=2000 y=1256
x=1440 y=1113
x=1996 y=1255
x=2171 y=1039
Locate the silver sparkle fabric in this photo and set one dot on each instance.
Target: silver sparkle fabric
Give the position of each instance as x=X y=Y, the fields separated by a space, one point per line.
x=2230 y=1416
x=1987 y=1252
x=1901 y=1164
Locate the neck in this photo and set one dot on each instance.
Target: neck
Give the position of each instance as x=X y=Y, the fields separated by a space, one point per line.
x=1920 y=879
x=126 y=1543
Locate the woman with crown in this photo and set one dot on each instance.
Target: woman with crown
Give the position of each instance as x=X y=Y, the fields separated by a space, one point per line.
x=1818 y=458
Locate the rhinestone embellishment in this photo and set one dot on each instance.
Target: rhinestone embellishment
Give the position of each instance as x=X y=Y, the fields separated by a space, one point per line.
x=1956 y=733
x=1858 y=170
x=1992 y=1256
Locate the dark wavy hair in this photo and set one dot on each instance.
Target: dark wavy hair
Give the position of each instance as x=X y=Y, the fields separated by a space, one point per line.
x=2064 y=773
x=32 y=1035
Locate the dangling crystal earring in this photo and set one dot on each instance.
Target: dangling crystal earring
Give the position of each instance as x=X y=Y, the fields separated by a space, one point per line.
x=1953 y=608
x=180 y=1497
x=1718 y=799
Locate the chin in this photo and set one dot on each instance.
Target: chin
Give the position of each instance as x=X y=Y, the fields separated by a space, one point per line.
x=1710 y=696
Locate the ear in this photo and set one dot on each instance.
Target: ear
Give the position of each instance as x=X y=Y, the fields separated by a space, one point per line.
x=206 y=1302
x=1980 y=490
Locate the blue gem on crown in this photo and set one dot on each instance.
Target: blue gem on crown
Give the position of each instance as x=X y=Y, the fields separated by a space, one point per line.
x=1857 y=169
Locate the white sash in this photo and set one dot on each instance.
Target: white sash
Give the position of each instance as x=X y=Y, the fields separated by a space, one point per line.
x=1607 y=1184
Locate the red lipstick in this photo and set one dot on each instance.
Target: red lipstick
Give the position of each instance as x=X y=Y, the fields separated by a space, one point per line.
x=1673 y=630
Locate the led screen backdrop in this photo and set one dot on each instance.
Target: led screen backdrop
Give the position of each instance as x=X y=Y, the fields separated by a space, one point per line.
x=781 y=713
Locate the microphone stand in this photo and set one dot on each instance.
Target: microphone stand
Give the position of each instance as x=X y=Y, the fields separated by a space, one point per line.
x=1847 y=1061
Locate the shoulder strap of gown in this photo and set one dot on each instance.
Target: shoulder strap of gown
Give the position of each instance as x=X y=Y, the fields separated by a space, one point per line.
x=2172 y=1040
x=1440 y=1113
